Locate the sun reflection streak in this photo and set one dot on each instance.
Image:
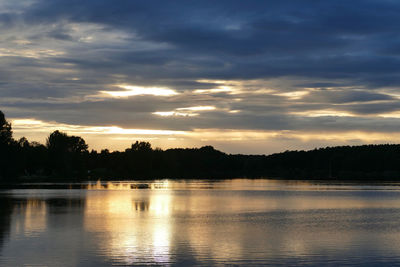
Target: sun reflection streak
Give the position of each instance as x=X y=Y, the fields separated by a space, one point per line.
x=34 y=219
x=134 y=225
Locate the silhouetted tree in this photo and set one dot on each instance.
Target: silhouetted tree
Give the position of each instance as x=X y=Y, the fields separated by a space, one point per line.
x=5 y=131
x=66 y=154
x=59 y=142
x=8 y=153
x=140 y=147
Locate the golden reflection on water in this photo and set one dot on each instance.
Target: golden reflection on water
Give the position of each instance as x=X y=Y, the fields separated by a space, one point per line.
x=136 y=226
x=203 y=222
x=32 y=219
x=230 y=203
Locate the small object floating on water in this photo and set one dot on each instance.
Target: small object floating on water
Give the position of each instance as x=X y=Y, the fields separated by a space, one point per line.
x=140 y=186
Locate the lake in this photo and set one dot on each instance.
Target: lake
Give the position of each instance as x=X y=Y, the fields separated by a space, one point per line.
x=197 y=222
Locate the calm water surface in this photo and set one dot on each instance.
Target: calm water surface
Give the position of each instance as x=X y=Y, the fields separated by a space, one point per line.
x=239 y=222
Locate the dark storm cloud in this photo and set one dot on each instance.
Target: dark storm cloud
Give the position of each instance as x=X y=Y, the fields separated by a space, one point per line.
x=345 y=96
x=313 y=37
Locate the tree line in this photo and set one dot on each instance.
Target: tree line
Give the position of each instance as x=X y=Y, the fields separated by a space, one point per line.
x=67 y=158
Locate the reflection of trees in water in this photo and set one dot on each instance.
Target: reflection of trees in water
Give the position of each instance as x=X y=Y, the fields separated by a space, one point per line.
x=6 y=208
x=141 y=205
x=57 y=205
x=65 y=212
x=37 y=213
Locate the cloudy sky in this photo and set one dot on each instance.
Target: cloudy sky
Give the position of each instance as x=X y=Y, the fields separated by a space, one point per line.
x=243 y=76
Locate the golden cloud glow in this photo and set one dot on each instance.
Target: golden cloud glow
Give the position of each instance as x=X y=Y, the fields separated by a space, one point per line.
x=220 y=89
x=117 y=138
x=173 y=113
x=33 y=125
x=184 y=112
x=304 y=136
x=395 y=115
x=29 y=53
x=137 y=90
x=212 y=81
x=231 y=135
x=23 y=126
x=198 y=108
x=252 y=87
x=118 y=130
x=230 y=87
x=26 y=122
x=294 y=95
x=323 y=113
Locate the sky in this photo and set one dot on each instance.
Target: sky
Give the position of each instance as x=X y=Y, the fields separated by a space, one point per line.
x=251 y=77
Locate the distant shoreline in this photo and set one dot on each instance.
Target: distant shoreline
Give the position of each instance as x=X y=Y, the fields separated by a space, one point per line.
x=66 y=158
x=143 y=183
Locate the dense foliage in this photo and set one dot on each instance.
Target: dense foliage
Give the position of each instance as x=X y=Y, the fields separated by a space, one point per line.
x=67 y=158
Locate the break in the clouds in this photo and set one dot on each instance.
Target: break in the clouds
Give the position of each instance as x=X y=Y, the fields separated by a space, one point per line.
x=244 y=76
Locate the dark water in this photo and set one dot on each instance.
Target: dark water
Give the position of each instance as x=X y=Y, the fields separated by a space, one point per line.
x=239 y=222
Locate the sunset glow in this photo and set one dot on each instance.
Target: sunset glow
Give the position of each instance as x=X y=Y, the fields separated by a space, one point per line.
x=120 y=78
x=267 y=139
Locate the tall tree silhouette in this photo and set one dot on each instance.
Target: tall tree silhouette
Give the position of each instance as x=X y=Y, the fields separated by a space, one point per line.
x=8 y=156
x=5 y=131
